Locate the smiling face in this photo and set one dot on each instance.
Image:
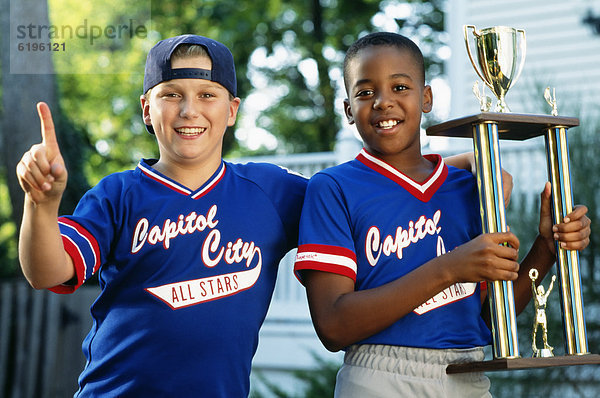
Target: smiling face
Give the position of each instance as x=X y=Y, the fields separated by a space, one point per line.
x=189 y=118
x=386 y=97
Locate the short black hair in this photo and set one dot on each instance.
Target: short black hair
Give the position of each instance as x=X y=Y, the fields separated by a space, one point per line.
x=384 y=39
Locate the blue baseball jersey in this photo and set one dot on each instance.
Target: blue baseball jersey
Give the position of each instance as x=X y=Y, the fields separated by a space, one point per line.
x=369 y=222
x=186 y=276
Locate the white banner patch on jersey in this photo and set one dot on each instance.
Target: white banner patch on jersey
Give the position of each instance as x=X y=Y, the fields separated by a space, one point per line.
x=183 y=294
x=449 y=295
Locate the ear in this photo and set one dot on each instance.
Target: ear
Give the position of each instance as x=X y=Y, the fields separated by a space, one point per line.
x=234 y=105
x=427 y=99
x=145 y=110
x=348 y=111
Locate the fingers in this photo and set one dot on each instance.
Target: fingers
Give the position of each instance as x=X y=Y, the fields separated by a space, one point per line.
x=504 y=255
x=501 y=238
x=47 y=130
x=42 y=167
x=34 y=170
x=502 y=266
x=578 y=212
x=575 y=233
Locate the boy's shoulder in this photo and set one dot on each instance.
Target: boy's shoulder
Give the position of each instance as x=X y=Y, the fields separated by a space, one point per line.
x=269 y=177
x=342 y=169
x=124 y=177
x=259 y=171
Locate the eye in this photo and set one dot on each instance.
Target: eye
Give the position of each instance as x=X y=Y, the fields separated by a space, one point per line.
x=400 y=87
x=364 y=93
x=170 y=94
x=207 y=95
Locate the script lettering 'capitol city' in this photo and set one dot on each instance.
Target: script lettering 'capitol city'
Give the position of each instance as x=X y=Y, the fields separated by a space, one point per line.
x=186 y=293
x=404 y=237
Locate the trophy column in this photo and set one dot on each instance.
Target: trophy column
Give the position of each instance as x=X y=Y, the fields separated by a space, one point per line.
x=493 y=219
x=557 y=153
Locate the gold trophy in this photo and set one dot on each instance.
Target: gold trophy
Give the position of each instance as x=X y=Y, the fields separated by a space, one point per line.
x=500 y=56
x=500 y=60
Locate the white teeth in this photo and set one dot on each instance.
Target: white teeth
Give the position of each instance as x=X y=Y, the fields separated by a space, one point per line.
x=190 y=131
x=387 y=124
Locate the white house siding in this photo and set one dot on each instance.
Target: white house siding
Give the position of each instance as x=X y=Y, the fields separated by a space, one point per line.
x=562 y=52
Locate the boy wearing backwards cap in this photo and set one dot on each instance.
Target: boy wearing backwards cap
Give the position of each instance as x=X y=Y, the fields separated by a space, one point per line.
x=186 y=246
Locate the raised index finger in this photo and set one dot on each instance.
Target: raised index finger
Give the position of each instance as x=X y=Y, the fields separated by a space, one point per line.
x=47 y=126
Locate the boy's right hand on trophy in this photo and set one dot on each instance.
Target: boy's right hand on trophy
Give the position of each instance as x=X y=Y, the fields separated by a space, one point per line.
x=41 y=172
x=486 y=257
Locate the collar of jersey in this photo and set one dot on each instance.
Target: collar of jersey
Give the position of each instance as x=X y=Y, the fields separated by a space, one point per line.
x=420 y=190
x=155 y=175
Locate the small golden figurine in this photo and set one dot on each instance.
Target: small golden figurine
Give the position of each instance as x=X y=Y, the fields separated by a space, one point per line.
x=551 y=100
x=540 y=298
x=485 y=102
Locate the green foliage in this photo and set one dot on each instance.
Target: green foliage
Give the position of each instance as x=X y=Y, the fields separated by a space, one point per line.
x=316 y=35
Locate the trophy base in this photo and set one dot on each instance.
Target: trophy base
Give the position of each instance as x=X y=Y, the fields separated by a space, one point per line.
x=523 y=363
x=511 y=126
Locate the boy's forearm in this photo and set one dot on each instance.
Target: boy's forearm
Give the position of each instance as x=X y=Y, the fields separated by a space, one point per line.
x=465 y=161
x=41 y=252
x=359 y=314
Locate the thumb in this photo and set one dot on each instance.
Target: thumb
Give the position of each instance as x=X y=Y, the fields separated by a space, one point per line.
x=47 y=130
x=545 y=201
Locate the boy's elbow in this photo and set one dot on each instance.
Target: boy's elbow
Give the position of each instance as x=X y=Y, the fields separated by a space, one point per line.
x=332 y=337
x=332 y=346
x=38 y=283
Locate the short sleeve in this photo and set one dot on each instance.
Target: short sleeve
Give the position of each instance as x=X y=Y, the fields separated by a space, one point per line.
x=326 y=241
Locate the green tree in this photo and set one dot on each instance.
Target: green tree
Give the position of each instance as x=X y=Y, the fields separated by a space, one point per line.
x=314 y=36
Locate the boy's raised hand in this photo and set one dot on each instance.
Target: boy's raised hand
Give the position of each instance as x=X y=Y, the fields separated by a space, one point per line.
x=41 y=171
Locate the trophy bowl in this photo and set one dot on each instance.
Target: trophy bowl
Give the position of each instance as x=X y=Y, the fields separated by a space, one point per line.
x=500 y=56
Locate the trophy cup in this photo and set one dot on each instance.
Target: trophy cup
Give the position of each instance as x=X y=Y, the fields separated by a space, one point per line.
x=501 y=57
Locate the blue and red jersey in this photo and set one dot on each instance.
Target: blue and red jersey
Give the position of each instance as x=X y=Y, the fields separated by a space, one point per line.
x=367 y=221
x=186 y=276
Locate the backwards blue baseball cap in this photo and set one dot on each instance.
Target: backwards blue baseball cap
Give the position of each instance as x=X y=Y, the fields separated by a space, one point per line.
x=158 y=64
